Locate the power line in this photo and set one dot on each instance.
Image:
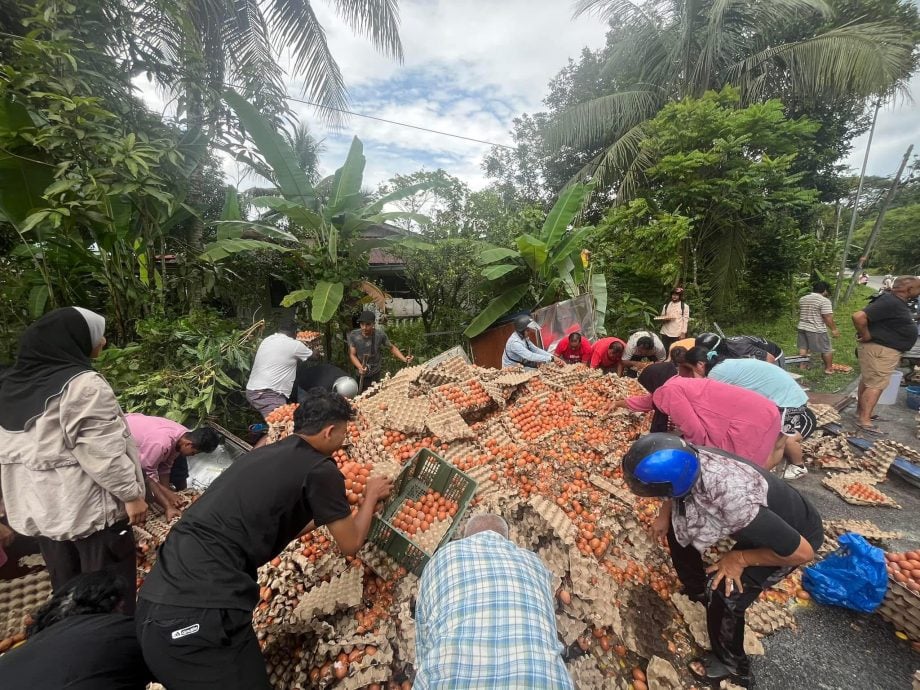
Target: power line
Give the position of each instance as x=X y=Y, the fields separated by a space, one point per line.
x=389 y=122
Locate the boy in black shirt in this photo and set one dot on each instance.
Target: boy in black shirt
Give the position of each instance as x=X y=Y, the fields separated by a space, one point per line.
x=194 y=617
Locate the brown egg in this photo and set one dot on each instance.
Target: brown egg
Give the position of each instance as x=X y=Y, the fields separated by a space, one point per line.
x=900 y=577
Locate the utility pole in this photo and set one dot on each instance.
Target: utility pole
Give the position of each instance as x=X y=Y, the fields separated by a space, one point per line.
x=877 y=228
x=862 y=177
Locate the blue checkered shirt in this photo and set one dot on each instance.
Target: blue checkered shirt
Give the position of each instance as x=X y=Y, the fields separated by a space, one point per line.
x=485 y=619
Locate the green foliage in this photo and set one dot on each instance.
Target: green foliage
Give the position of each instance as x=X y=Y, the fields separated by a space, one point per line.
x=187 y=369
x=543 y=268
x=898 y=247
x=718 y=199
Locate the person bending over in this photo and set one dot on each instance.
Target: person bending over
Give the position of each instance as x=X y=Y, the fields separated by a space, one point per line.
x=486 y=617
x=772 y=382
x=162 y=444
x=710 y=495
x=194 y=619
x=80 y=639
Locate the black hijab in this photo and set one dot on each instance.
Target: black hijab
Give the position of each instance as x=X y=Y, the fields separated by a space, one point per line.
x=652 y=378
x=52 y=351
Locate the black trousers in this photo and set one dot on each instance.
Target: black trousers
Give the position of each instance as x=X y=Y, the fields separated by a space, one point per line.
x=200 y=649
x=668 y=340
x=109 y=549
x=724 y=614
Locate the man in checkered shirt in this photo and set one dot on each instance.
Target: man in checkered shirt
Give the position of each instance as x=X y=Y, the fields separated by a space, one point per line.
x=486 y=616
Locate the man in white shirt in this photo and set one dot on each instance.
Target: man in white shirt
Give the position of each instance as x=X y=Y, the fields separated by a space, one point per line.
x=520 y=350
x=274 y=369
x=816 y=315
x=642 y=348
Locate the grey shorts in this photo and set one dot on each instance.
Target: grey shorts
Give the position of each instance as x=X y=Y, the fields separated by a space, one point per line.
x=814 y=342
x=265 y=401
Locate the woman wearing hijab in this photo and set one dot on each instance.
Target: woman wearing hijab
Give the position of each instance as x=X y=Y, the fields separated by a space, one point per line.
x=712 y=413
x=714 y=495
x=68 y=465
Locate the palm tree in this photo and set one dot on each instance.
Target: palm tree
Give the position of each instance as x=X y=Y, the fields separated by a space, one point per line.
x=672 y=49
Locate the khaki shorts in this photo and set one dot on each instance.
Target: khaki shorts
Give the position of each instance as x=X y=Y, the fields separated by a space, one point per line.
x=876 y=364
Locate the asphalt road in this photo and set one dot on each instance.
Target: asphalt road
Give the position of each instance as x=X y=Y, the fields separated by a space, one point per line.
x=834 y=647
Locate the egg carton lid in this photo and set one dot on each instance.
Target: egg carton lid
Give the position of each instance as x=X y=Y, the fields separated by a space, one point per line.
x=448 y=425
x=617 y=490
x=409 y=415
x=555 y=519
x=766 y=617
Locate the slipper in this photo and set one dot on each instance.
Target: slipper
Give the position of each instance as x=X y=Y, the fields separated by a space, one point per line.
x=716 y=672
x=871 y=429
x=877 y=418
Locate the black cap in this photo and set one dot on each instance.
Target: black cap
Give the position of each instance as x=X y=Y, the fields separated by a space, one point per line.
x=367 y=317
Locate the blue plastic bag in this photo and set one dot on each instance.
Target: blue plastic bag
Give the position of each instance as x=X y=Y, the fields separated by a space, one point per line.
x=854 y=576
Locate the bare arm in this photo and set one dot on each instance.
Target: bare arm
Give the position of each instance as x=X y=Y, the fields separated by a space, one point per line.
x=829 y=322
x=350 y=532
x=353 y=356
x=399 y=355
x=166 y=498
x=861 y=321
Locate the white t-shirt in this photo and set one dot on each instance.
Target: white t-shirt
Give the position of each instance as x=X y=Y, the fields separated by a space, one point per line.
x=275 y=365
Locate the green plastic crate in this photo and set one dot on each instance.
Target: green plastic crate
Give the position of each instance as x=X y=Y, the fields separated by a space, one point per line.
x=426 y=471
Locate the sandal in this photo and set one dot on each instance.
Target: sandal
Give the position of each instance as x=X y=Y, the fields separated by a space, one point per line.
x=871 y=429
x=715 y=672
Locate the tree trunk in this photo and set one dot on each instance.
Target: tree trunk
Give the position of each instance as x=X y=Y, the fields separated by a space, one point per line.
x=889 y=197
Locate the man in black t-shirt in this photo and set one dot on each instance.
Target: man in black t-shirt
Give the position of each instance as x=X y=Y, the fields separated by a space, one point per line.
x=884 y=329
x=194 y=615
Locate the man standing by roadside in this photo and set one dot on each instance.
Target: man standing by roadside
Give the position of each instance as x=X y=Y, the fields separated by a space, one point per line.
x=816 y=316
x=884 y=329
x=162 y=443
x=364 y=349
x=486 y=615
x=272 y=377
x=194 y=618
x=675 y=316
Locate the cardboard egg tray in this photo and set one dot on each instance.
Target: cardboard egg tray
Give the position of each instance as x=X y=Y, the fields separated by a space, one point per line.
x=280 y=430
x=908 y=453
x=825 y=414
x=555 y=519
x=513 y=377
x=765 y=617
x=829 y=452
x=569 y=628
x=408 y=415
x=19 y=597
x=448 y=425
x=344 y=591
x=586 y=674
x=866 y=528
x=566 y=376
x=901 y=608
x=877 y=460
x=469 y=386
x=662 y=675
x=841 y=483
x=694 y=614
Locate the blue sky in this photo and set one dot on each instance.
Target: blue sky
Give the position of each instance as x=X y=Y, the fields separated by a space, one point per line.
x=470 y=67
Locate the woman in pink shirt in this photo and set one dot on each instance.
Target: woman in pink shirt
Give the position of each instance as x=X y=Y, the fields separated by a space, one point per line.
x=712 y=413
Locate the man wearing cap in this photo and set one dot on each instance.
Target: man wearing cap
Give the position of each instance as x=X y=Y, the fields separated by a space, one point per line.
x=364 y=349
x=675 y=317
x=520 y=350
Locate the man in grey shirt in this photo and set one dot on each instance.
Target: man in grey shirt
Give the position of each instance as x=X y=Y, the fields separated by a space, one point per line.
x=365 y=345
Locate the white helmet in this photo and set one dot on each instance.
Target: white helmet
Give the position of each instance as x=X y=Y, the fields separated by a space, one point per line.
x=345 y=386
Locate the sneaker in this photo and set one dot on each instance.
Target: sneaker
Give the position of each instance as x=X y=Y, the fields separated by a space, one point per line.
x=794 y=471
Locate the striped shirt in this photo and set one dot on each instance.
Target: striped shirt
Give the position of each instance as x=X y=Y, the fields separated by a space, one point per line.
x=812 y=307
x=485 y=619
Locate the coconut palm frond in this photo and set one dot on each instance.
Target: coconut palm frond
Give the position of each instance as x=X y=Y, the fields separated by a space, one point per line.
x=376 y=19
x=604 y=118
x=861 y=59
x=623 y=11
x=295 y=26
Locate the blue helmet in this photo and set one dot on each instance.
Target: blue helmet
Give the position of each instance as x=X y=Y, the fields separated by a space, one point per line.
x=661 y=466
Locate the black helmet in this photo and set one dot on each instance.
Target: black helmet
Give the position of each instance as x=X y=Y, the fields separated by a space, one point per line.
x=661 y=466
x=710 y=341
x=522 y=322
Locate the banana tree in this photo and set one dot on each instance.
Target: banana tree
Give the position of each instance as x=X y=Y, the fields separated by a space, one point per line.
x=323 y=228
x=545 y=268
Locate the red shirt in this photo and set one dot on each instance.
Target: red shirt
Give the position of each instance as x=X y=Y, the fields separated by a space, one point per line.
x=601 y=358
x=564 y=351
